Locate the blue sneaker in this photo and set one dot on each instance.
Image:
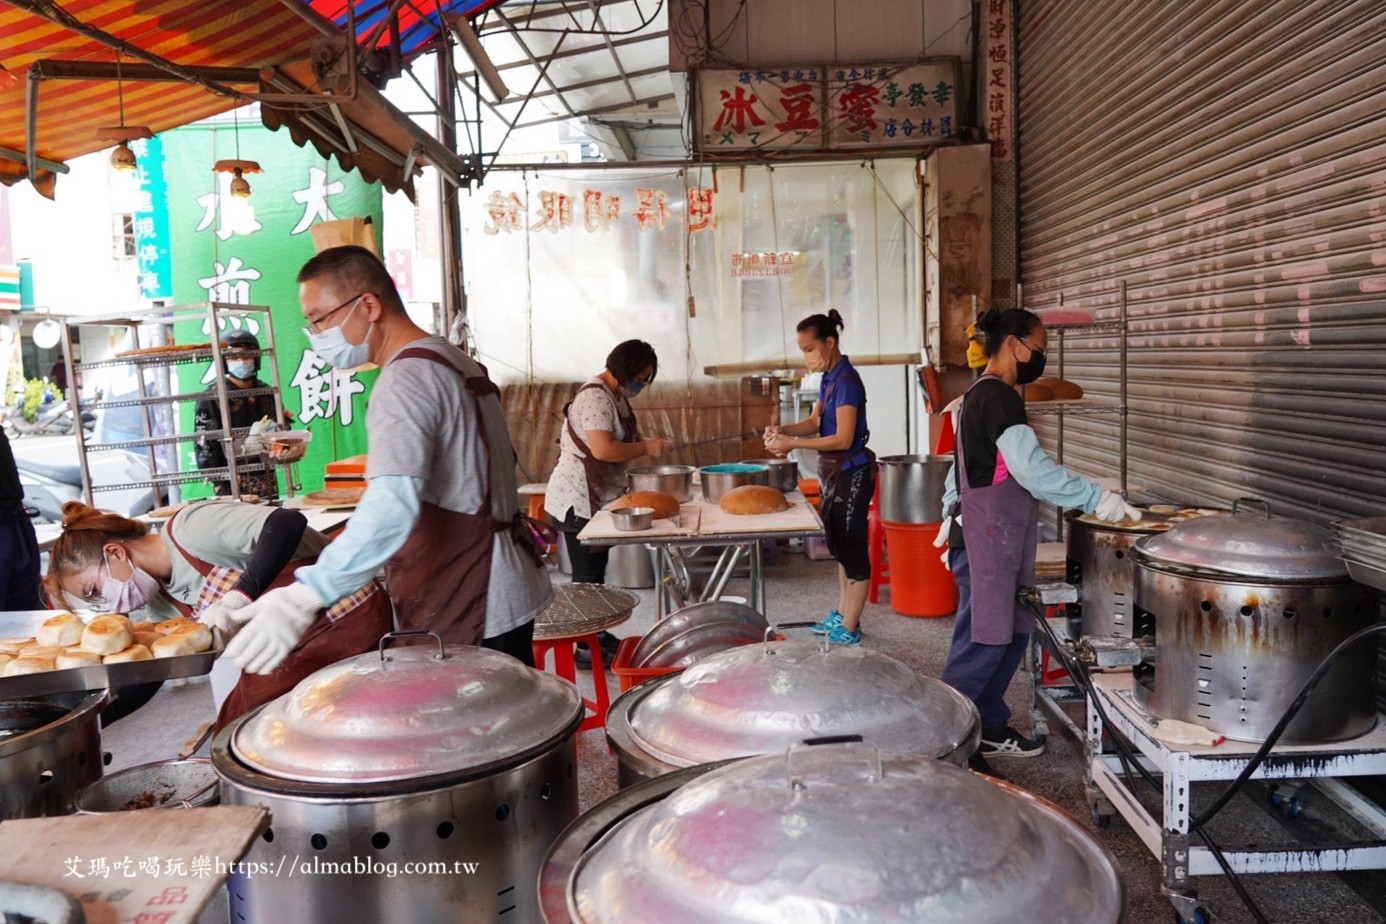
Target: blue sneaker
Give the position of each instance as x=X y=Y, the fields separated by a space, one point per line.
x=838 y=635
x=832 y=619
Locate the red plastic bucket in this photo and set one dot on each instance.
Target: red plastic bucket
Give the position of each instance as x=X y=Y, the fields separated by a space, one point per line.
x=919 y=583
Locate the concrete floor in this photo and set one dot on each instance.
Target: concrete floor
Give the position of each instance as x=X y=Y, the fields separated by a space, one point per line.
x=799 y=589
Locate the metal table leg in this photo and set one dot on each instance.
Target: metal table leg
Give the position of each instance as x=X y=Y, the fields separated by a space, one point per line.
x=757 y=578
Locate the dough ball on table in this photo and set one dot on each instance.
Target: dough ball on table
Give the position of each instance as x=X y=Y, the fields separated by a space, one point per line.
x=1062 y=389
x=13 y=646
x=1036 y=392
x=105 y=635
x=172 y=646
x=663 y=504
x=65 y=629
x=753 y=499
x=27 y=666
x=76 y=657
x=133 y=653
x=45 y=652
x=170 y=626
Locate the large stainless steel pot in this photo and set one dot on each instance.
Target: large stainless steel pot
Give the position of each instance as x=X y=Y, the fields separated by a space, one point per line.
x=719 y=479
x=912 y=488
x=674 y=480
x=50 y=747
x=421 y=755
x=1245 y=607
x=782 y=474
x=842 y=834
x=759 y=699
x=1099 y=563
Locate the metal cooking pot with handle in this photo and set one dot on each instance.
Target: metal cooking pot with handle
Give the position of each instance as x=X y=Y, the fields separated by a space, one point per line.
x=837 y=833
x=912 y=488
x=50 y=747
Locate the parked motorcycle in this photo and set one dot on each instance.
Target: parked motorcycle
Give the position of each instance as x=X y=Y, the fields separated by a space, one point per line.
x=54 y=418
x=49 y=483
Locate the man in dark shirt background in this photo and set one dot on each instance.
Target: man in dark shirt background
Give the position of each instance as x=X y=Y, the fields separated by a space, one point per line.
x=240 y=353
x=19 y=552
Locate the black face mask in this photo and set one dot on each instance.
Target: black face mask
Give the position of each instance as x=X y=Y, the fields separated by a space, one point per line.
x=1031 y=369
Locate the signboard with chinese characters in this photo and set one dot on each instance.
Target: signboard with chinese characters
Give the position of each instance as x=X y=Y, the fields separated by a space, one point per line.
x=249 y=251
x=827 y=107
x=760 y=109
x=151 y=219
x=996 y=68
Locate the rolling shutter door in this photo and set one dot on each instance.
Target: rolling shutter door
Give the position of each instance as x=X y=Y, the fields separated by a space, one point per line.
x=1227 y=162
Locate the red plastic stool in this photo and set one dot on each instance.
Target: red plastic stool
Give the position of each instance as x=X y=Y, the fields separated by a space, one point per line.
x=564 y=667
x=875 y=538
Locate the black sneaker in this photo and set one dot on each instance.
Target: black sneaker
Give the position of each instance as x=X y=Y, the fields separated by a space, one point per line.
x=978 y=764
x=1004 y=741
x=582 y=658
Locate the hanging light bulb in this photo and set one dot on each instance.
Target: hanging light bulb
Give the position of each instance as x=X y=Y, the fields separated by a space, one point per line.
x=240 y=186
x=122 y=158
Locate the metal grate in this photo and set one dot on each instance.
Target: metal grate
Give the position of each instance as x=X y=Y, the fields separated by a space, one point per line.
x=581 y=609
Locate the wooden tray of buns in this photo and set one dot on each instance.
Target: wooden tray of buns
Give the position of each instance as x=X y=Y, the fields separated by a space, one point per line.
x=95 y=676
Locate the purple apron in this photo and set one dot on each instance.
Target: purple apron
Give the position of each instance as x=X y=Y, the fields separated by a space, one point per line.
x=1000 y=528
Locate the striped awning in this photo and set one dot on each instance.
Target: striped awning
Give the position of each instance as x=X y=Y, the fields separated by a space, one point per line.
x=417 y=20
x=57 y=81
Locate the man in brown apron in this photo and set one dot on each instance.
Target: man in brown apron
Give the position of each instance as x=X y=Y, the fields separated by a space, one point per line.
x=439 y=512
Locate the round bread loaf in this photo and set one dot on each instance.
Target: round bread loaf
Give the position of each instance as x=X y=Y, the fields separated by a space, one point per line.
x=76 y=657
x=27 y=666
x=46 y=652
x=1063 y=389
x=1036 y=392
x=753 y=499
x=664 y=506
x=13 y=646
x=199 y=635
x=133 y=653
x=105 y=635
x=145 y=638
x=170 y=626
x=64 y=629
x=148 y=625
x=172 y=646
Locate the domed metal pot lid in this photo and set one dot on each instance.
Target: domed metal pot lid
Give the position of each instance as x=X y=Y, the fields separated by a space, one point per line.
x=847 y=835
x=1249 y=543
x=408 y=713
x=759 y=699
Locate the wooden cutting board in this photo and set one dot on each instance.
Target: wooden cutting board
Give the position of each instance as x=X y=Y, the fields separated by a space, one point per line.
x=602 y=529
x=152 y=865
x=800 y=519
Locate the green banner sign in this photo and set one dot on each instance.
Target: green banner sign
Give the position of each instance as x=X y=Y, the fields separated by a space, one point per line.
x=249 y=251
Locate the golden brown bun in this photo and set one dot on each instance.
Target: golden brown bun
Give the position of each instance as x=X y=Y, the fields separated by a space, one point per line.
x=106 y=635
x=1063 y=389
x=1036 y=392
x=76 y=657
x=46 y=652
x=663 y=505
x=147 y=639
x=170 y=626
x=122 y=619
x=5 y=659
x=171 y=646
x=133 y=653
x=64 y=629
x=13 y=646
x=752 y=499
x=27 y=666
x=148 y=625
x=199 y=635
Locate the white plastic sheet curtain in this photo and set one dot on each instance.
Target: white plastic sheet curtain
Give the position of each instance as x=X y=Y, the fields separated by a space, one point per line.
x=558 y=273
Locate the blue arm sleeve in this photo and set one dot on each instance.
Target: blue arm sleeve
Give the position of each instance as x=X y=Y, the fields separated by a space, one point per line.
x=382 y=522
x=950 y=487
x=1039 y=474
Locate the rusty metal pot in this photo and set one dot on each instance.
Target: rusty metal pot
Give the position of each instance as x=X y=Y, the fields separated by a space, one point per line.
x=1245 y=608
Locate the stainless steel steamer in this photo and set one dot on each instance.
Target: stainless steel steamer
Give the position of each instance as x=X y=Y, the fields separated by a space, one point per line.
x=759 y=699
x=1245 y=608
x=844 y=834
x=50 y=747
x=417 y=757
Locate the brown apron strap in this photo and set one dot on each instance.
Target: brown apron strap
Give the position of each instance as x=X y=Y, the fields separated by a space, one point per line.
x=201 y=567
x=593 y=467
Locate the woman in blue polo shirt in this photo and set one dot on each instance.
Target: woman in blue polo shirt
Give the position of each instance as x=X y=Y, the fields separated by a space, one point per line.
x=846 y=468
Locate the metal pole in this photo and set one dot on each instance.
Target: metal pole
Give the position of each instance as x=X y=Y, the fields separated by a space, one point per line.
x=1121 y=334
x=228 y=443
x=449 y=211
x=73 y=395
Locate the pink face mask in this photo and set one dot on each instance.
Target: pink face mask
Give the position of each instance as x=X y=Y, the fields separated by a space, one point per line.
x=128 y=595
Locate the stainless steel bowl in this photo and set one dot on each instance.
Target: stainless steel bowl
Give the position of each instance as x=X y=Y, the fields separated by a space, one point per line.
x=633 y=519
x=693 y=618
x=674 y=480
x=719 y=479
x=783 y=473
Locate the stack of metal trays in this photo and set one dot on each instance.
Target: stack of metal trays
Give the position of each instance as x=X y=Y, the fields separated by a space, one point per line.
x=697 y=631
x=1364 y=549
